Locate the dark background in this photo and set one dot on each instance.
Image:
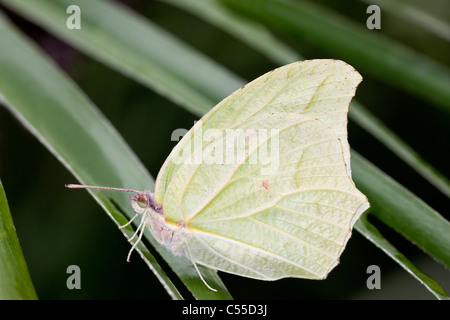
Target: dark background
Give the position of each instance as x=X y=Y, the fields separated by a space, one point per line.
x=59 y=227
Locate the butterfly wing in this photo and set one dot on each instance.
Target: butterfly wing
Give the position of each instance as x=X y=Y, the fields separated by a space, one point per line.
x=289 y=214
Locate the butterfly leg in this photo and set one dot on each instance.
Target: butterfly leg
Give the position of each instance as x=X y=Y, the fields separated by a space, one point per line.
x=129 y=222
x=196 y=268
x=141 y=227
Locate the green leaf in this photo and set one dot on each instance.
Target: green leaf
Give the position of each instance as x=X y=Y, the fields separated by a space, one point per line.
x=15 y=281
x=374 y=236
x=250 y=32
x=367 y=52
x=74 y=130
x=138 y=48
x=376 y=128
x=402 y=210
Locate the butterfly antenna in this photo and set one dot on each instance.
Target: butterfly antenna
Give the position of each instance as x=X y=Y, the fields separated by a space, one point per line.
x=82 y=186
x=196 y=269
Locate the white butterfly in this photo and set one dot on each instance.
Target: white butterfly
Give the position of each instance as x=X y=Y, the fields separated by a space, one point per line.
x=280 y=201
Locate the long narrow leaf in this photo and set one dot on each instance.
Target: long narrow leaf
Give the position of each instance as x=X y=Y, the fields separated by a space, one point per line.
x=70 y=126
x=376 y=128
x=138 y=48
x=15 y=281
x=402 y=210
x=382 y=57
x=250 y=32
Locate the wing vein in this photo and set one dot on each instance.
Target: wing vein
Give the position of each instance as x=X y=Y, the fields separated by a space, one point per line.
x=311 y=100
x=319 y=189
x=215 y=252
x=228 y=179
x=314 y=233
x=274 y=204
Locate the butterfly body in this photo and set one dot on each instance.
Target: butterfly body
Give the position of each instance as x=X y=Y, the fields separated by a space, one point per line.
x=170 y=235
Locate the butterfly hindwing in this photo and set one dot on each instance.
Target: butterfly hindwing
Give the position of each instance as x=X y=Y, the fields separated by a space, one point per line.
x=280 y=201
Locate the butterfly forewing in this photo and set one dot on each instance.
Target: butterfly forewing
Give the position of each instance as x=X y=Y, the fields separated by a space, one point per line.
x=318 y=88
x=296 y=215
x=278 y=202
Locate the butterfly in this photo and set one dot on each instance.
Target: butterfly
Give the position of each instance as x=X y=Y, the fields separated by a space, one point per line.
x=261 y=186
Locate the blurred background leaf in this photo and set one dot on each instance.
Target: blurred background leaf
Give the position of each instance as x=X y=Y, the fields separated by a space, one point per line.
x=371 y=53
x=67 y=123
x=132 y=110
x=371 y=233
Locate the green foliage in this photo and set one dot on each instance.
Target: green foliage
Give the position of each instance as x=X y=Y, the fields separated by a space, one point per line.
x=15 y=282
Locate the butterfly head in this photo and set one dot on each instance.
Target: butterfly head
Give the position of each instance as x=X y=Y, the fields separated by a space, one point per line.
x=144 y=200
